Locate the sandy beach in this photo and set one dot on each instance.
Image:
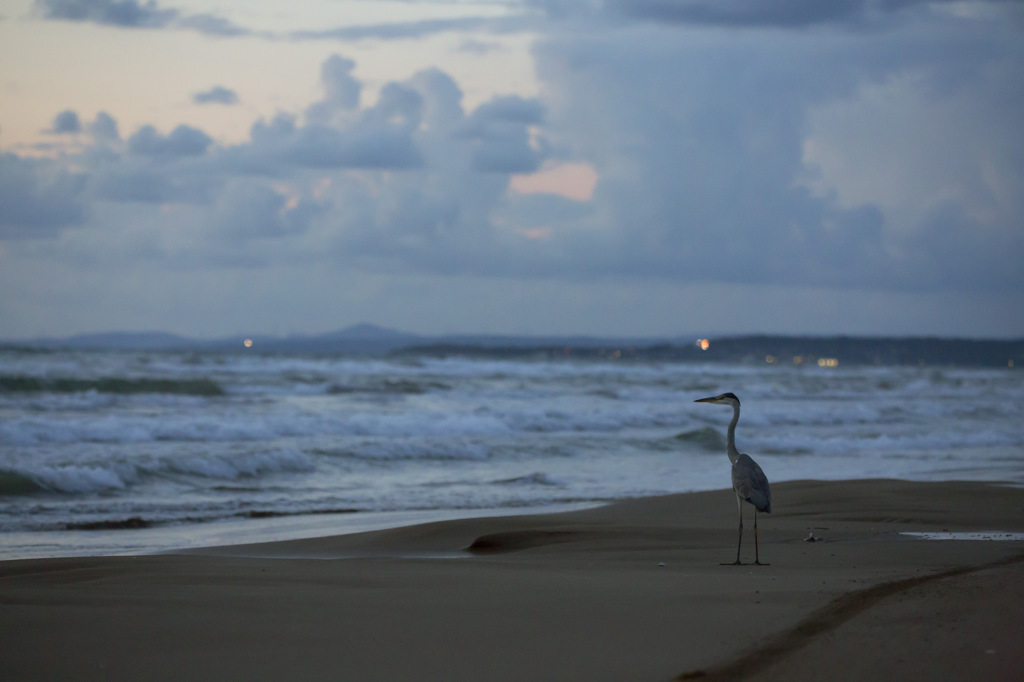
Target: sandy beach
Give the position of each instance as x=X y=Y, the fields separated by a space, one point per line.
x=630 y=591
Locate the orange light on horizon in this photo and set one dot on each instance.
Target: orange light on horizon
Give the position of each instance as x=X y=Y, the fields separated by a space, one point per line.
x=703 y=344
x=247 y=343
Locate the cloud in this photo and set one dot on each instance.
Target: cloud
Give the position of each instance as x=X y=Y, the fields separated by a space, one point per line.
x=37 y=197
x=719 y=156
x=182 y=141
x=104 y=127
x=133 y=14
x=252 y=210
x=210 y=24
x=280 y=144
x=341 y=90
x=500 y=129
x=124 y=13
x=66 y=122
x=789 y=13
x=216 y=95
x=479 y=47
x=739 y=13
x=405 y=30
x=158 y=180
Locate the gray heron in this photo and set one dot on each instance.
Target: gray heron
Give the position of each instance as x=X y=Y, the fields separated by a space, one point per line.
x=748 y=480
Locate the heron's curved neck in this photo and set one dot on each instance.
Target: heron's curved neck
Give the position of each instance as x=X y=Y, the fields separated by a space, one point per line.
x=730 y=448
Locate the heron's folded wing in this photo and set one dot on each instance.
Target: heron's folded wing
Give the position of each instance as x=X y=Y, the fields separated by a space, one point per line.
x=750 y=483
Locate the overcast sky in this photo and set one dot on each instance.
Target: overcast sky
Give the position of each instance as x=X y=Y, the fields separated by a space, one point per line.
x=619 y=167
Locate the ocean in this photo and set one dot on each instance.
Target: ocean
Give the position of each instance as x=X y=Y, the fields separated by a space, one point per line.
x=128 y=452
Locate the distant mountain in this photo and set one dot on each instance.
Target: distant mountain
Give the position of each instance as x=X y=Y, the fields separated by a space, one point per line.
x=368 y=331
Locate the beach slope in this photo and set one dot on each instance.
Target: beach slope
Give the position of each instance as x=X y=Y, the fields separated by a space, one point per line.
x=630 y=591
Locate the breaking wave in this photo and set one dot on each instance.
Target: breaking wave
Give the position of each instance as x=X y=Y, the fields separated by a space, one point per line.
x=705 y=438
x=118 y=385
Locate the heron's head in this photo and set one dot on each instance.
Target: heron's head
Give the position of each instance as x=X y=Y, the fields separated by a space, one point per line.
x=723 y=399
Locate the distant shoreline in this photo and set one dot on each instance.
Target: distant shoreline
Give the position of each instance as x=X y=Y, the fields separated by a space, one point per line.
x=781 y=350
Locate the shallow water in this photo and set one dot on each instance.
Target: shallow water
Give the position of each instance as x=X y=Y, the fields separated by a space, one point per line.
x=144 y=446
x=986 y=536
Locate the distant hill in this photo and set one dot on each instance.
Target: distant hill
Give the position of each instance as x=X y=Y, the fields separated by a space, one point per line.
x=366 y=339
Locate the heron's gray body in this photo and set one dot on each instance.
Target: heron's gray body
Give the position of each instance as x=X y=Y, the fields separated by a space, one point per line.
x=748 y=480
x=750 y=484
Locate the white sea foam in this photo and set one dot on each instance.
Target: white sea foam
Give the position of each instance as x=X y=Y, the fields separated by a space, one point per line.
x=301 y=434
x=74 y=479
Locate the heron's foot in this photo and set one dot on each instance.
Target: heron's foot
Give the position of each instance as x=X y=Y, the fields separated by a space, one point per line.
x=761 y=563
x=732 y=563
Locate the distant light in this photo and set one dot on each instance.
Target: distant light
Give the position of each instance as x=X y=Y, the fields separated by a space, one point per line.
x=828 y=362
x=797 y=359
x=771 y=359
x=703 y=344
x=247 y=343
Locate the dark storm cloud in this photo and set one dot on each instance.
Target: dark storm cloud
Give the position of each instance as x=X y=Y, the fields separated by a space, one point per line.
x=252 y=211
x=740 y=12
x=737 y=13
x=500 y=129
x=508 y=109
x=953 y=251
x=37 y=197
x=216 y=95
x=703 y=176
x=508 y=150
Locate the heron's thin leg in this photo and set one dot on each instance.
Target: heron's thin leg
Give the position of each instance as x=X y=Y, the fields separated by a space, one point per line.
x=756 y=558
x=739 y=541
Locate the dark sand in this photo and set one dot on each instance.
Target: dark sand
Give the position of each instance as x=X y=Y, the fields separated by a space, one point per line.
x=632 y=591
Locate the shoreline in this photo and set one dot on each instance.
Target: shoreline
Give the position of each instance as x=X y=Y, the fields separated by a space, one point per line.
x=629 y=590
x=172 y=539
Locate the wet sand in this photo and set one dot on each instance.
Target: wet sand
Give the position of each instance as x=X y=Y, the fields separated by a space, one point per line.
x=631 y=591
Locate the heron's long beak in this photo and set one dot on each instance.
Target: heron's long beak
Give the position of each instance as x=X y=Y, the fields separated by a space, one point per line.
x=704 y=400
